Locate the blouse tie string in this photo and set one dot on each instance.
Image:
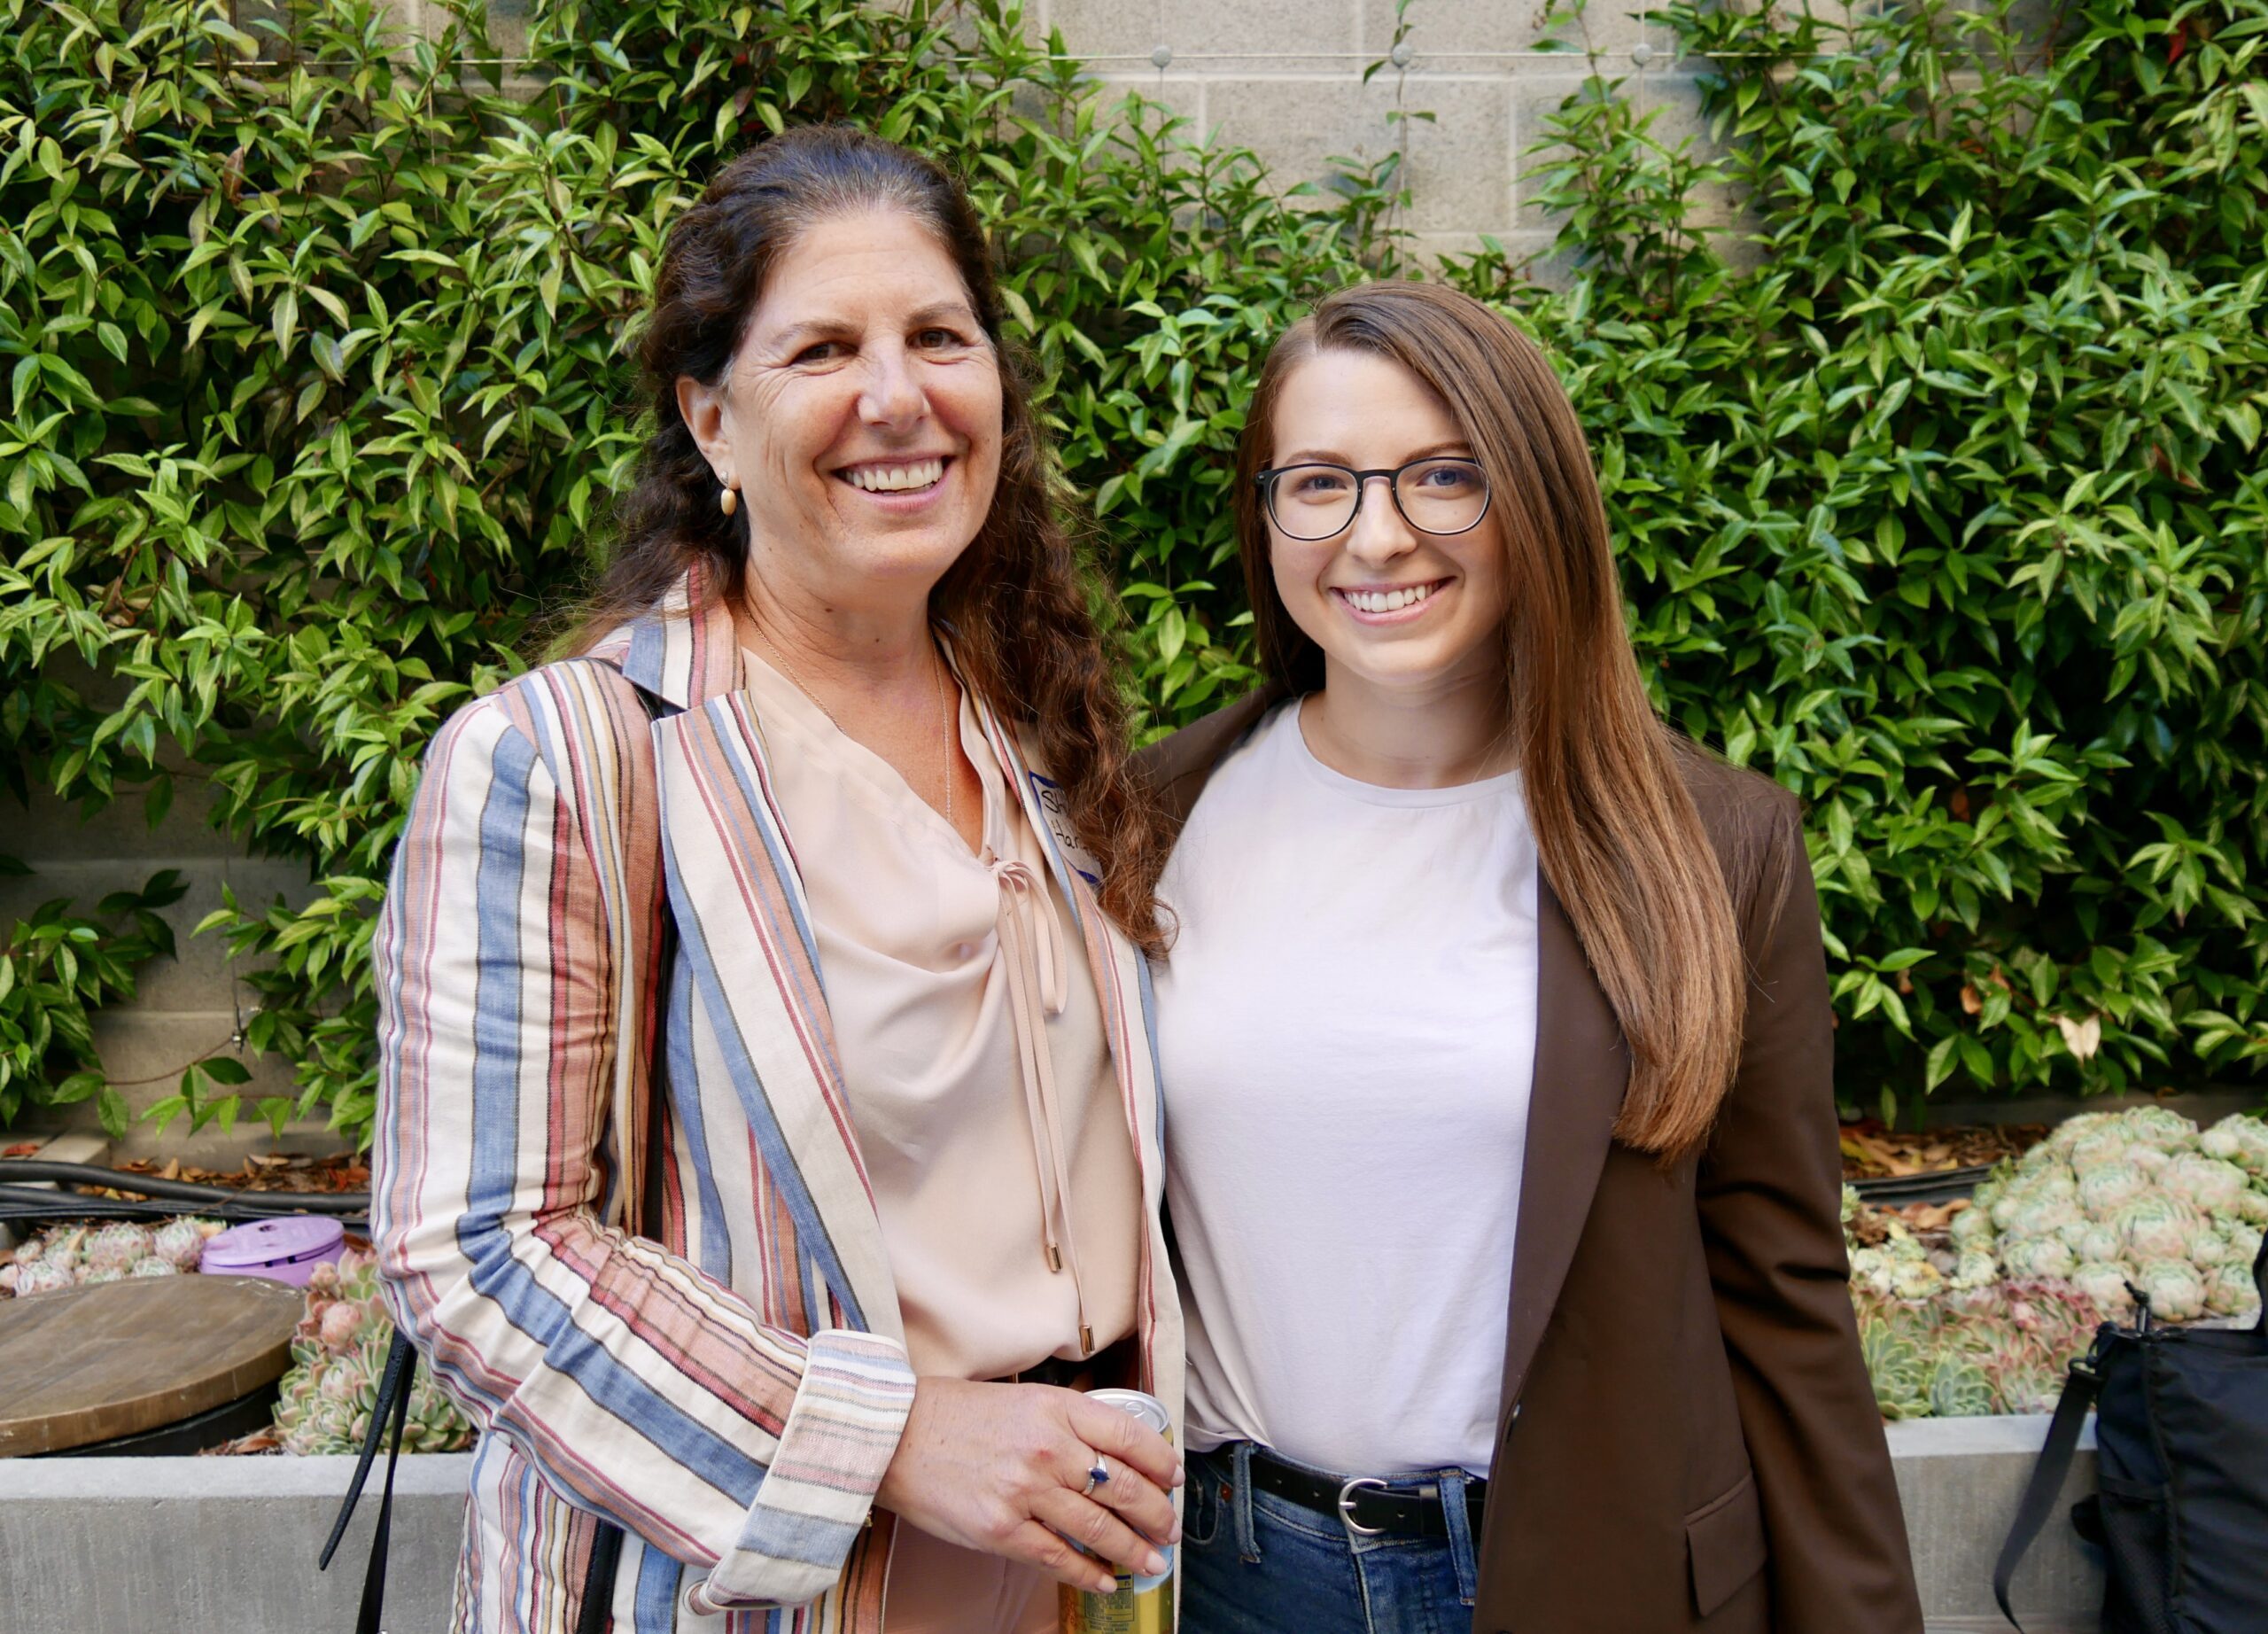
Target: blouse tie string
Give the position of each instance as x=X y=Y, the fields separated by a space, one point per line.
x=1032 y=940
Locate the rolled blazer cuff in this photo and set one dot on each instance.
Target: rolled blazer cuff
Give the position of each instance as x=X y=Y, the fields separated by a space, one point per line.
x=839 y=1436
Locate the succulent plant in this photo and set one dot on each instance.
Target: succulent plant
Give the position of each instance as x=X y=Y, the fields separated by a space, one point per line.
x=2157 y=1226
x=1896 y=1365
x=43 y=1276
x=2244 y=1237
x=1914 y=1279
x=1958 y=1387
x=115 y=1247
x=2105 y=1283
x=72 y=1256
x=2102 y=1188
x=338 y=1356
x=2159 y=1127
x=2038 y=1257
x=2100 y=1242
x=2231 y=1291
x=2073 y=1131
x=1971 y=1228
x=2238 y=1139
x=1975 y=1268
x=2176 y=1290
x=2208 y=1182
x=180 y=1241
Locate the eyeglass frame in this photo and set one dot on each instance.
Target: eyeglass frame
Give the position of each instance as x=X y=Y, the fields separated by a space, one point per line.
x=1264 y=480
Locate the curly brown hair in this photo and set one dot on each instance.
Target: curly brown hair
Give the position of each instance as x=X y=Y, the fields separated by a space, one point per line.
x=1017 y=601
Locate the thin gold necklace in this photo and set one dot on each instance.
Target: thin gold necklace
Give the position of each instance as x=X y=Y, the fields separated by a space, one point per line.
x=944 y=713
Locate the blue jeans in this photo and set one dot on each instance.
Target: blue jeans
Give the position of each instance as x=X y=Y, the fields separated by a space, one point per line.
x=1253 y=1563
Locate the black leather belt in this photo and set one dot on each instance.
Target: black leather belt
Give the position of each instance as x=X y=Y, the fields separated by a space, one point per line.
x=1368 y=1506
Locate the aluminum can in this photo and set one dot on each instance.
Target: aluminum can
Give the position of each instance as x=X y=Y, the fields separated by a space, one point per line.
x=1138 y=1605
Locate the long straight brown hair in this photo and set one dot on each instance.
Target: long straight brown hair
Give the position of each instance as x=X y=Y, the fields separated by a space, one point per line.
x=1619 y=837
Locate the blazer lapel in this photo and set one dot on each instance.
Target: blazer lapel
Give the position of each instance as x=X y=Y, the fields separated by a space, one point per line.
x=1581 y=1070
x=737 y=899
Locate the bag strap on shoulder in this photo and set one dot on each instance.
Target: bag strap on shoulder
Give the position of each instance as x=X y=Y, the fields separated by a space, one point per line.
x=2079 y=1388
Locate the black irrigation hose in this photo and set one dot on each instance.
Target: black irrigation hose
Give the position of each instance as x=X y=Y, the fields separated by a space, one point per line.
x=19 y=1170
x=26 y=1202
x=1943 y=1186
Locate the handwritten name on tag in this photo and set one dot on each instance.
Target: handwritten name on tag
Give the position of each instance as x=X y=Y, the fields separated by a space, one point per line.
x=1049 y=795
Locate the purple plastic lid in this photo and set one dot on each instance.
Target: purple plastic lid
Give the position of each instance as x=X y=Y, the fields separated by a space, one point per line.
x=274 y=1248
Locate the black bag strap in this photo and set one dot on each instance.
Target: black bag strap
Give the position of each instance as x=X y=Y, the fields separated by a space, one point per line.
x=392 y=1403
x=2079 y=1388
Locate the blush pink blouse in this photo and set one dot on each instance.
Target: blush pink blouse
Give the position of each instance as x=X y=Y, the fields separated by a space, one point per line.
x=973 y=1053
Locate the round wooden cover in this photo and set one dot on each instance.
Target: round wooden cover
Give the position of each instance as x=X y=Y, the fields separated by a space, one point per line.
x=88 y=1363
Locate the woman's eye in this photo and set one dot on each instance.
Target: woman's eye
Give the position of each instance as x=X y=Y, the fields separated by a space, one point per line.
x=819 y=351
x=939 y=339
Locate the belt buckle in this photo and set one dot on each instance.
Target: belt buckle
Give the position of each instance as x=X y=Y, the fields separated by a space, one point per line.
x=1346 y=1505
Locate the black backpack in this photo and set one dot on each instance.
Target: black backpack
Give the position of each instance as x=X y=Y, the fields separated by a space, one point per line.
x=2181 y=1510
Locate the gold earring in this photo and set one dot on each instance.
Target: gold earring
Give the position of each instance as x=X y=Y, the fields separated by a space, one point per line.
x=729 y=500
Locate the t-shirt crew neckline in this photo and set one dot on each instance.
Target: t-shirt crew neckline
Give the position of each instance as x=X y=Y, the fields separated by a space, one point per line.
x=1382 y=794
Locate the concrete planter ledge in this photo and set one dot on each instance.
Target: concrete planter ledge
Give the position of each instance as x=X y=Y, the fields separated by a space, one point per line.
x=220 y=1545
x=1959 y=1480
x=228 y=1546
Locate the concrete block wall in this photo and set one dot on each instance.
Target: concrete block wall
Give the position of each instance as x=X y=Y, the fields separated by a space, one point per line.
x=185 y=1008
x=1284 y=78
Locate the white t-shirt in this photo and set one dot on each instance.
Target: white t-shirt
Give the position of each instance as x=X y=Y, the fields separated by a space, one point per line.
x=1346 y=1035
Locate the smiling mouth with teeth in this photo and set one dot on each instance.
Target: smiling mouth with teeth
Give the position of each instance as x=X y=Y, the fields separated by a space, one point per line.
x=1389 y=601
x=909 y=477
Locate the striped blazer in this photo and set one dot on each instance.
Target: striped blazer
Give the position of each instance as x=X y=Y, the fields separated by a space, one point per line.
x=601 y=1008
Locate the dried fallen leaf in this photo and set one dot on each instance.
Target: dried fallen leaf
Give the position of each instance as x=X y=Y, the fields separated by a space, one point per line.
x=2082 y=1039
x=1972 y=1001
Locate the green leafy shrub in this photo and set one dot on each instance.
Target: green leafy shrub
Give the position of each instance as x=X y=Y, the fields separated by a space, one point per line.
x=319 y=383
x=1944 y=510
x=58 y=967
x=1939 y=484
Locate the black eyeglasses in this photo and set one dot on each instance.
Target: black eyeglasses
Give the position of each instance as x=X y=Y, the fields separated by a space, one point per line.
x=1311 y=502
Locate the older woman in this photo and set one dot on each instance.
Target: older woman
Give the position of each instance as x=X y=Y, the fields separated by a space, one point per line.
x=767 y=1135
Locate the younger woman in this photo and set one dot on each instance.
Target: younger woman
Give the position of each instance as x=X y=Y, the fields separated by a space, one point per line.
x=1501 y=1155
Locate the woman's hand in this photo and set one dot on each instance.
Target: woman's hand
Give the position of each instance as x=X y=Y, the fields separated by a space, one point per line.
x=998 y=1468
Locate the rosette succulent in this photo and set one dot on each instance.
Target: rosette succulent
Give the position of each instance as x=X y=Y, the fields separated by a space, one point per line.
x=338 y=1355
x=2231 y=1291
x=2208 y=1182
x=2240 y=1138
x=1971 y=1228
x=2162 y=1127
x=2105 y=1283
x=1958 y=1387
x=2103 y=1187
x=2037 y=1257
x=2157 y=1226
x=116 y=1247
x=2176 y=1289
x=74 y=1256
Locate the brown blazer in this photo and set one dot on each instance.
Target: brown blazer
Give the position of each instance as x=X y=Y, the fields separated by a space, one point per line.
x=1686 y=1439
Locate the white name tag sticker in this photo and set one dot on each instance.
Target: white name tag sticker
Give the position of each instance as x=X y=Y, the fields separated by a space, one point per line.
x=1049 y=795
